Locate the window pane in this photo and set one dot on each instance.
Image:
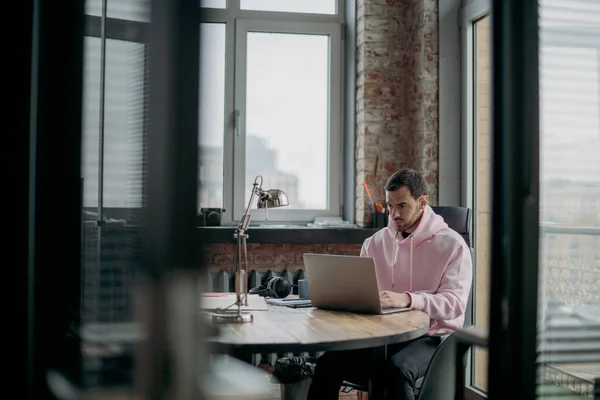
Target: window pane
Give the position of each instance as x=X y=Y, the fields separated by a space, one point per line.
x=287 y=116
x=131 y=10
x=90 y=122
x=482 y=176
x=213 y=3
x=124 y=124
x=212 y=115
x=569 y=270
x=298 y=6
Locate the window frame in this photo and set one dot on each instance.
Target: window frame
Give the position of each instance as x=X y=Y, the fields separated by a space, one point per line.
x=469 y=15
x=237 y=23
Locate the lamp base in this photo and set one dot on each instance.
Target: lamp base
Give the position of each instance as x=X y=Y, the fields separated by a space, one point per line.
x=233 y=316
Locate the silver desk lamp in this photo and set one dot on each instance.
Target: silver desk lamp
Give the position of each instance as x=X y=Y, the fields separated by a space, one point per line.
x=271 y=198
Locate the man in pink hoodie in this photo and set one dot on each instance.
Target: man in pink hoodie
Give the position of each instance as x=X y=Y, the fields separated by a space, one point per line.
x=421 y=263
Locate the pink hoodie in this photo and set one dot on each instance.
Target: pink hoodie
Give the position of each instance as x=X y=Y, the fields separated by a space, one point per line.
x=433 y=265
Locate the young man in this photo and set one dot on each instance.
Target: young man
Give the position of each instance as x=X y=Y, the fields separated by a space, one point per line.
x=421 y=263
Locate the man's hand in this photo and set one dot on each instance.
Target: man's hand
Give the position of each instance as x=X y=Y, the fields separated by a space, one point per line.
x=394 y=300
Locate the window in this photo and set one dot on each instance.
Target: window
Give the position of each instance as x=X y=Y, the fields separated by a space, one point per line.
x=212 y=103
x=213 y=3
x=569 y=282
x=113 y=164
x=270 y=105
x=123 y=115
x=114 y=108
x=113 y=155
x=126 y=10
x=298 y=6
x=477 y=132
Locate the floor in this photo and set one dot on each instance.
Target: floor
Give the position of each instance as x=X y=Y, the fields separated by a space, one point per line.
x=352 y=395
x=125 y=395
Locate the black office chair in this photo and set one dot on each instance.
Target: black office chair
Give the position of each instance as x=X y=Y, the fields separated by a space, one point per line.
x=439 y=381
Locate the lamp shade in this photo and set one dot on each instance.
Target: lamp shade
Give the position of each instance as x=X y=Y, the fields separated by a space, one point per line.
x=272 y=198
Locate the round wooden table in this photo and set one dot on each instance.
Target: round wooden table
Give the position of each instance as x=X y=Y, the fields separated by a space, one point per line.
x=283 y=329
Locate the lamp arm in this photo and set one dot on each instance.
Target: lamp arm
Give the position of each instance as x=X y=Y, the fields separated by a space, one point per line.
x=242 y=252
x=245 y=221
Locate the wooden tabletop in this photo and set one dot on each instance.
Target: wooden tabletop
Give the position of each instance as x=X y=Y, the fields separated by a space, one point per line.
x=285 y=329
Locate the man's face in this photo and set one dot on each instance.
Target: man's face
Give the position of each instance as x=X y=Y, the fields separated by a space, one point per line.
x=404 y=208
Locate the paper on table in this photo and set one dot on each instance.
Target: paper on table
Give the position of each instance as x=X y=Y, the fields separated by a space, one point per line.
x=255 y=302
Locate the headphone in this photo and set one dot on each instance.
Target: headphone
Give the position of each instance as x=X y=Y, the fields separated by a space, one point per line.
x=276 y=287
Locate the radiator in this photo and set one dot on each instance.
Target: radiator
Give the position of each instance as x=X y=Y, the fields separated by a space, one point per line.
x=224 y=281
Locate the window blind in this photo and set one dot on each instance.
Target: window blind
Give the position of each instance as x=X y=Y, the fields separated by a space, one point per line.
x=569 y=295
x=121 y=104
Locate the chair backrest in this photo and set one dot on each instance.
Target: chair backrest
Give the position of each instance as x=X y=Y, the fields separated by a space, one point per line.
x=457 y=218
x=469 y=311
x=439 y=382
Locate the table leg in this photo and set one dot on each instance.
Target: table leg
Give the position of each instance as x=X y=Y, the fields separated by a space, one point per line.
x=376 y=382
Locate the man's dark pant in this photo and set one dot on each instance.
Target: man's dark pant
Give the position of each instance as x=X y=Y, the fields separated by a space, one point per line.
x=406 y=363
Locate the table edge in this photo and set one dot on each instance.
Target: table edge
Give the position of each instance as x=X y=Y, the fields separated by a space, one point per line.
x=349 y=344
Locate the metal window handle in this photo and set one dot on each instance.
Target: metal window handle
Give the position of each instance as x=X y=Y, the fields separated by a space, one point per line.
x=236 y=122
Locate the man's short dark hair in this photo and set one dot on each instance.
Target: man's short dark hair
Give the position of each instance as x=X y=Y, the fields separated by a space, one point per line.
x=409 y=178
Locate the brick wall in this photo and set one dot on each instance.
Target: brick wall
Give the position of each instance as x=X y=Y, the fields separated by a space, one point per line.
x=397 y=95
x=275 y=257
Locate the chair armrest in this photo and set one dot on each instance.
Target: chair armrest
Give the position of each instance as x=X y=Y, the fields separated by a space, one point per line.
x=473 y=335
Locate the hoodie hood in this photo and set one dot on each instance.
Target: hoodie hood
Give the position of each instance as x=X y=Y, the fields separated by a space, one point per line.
x=430 y=224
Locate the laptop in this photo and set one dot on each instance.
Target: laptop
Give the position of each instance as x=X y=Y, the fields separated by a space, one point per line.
x=344 y=283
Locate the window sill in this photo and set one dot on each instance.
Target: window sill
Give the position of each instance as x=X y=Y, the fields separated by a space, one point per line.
x=291 y=234
x=259 y=234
